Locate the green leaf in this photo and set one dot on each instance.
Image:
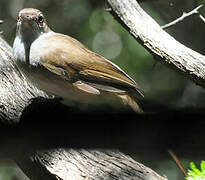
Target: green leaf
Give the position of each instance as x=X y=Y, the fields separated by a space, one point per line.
x=195 y=170
x=202 y=166
x=194 y=173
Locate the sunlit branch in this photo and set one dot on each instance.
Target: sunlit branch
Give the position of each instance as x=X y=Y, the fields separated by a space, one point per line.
x=202 y=18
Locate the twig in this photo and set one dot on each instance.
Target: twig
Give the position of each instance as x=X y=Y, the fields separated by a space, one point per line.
x=184 y=15
x=108 y=9
x=202 y=18
x=178 y=163
x=1 y=22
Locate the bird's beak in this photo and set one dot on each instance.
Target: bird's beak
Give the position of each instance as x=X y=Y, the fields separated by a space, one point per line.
x=26 y=21
x=26 y=27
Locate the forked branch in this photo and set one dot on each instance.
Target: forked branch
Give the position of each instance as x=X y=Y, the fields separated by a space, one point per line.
x=158 y=42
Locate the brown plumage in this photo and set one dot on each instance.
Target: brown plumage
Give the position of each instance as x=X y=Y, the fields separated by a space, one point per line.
x=71 y=65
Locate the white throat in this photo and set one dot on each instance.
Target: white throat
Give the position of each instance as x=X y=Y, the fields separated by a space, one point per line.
x=20 y=48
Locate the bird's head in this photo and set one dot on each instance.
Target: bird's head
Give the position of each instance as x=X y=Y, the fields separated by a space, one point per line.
x=31 y=23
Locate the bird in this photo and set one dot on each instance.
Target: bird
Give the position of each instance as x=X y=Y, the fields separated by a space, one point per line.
x=62 y=66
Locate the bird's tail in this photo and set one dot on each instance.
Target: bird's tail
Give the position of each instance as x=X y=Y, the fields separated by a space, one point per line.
x=127 y=100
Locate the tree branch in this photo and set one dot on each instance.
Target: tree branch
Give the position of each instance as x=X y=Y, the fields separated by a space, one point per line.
x=184 y=15
x=86 y=164
x=202 y=18
x=159 y=43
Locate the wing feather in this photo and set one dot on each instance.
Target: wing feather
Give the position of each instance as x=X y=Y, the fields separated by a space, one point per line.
x=77 y=61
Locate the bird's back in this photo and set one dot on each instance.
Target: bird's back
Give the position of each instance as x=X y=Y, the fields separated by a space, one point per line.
x=68 y=53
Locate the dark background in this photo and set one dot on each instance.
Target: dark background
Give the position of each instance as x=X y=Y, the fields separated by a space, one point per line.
x=87 y=21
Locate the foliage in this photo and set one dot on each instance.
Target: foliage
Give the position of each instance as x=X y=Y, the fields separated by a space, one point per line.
x=196 y=174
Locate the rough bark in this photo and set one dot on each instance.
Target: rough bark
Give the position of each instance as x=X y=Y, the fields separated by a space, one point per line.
x=158 y=42
x=86 y=164
x=16 y=97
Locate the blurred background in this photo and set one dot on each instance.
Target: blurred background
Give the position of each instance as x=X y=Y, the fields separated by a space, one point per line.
x=87 y=21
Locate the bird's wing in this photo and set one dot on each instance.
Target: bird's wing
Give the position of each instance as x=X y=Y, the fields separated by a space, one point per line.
x=71 y=60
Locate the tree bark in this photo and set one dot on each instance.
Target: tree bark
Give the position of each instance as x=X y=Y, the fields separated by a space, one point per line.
x=80 y=164
x=158 y=42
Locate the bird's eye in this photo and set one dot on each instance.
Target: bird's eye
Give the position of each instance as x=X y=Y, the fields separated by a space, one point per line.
x=40 y=19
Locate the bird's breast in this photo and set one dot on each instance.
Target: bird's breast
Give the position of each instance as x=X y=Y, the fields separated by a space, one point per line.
x=39 y=76
x=38 y=48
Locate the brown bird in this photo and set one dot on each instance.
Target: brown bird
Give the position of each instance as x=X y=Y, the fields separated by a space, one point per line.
x=61 y=65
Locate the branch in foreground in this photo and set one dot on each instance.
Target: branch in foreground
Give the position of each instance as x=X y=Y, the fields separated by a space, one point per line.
x=158 y=42
x=184 y=15
x=15 y=98
x=87 y=164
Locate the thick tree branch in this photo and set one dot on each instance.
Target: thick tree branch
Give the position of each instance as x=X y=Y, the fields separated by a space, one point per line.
x=157 y=41
x=86 y=164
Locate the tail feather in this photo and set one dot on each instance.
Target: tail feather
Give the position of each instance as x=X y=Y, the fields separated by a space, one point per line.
x=127 y=100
